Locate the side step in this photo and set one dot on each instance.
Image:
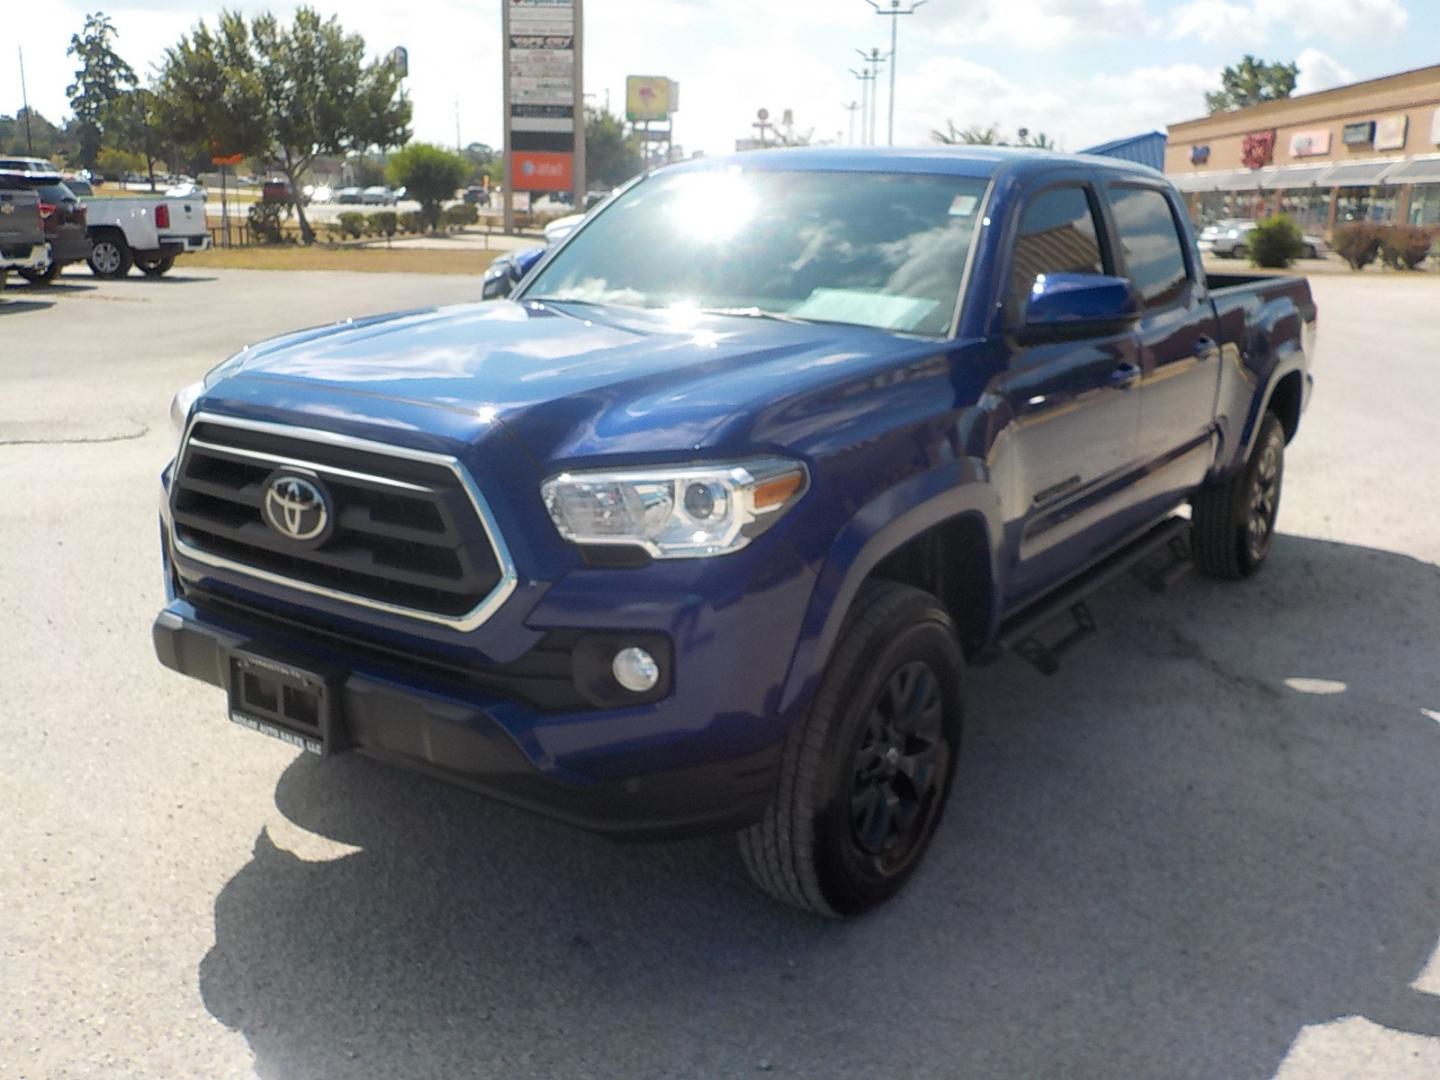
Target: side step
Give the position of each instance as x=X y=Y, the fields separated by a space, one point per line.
x=1159 y=557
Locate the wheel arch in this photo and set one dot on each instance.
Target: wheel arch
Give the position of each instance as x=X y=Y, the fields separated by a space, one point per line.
x=1286 y=400
x=938 y=530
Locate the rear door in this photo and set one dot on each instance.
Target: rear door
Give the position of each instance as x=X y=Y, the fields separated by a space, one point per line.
x=1075 y=416
x=1178 y=338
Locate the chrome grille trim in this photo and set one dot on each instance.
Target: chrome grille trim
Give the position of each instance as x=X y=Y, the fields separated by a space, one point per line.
x=470 y=620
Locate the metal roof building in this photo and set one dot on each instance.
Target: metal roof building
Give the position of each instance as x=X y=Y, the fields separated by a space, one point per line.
x=1147 y=149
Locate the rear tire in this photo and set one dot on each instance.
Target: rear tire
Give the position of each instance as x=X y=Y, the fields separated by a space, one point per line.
x=45 y=275
x=1310 y=252
x=110 y=256
x=1233 y=522
x=1240 y=251
x=157 y=267
x=865 y=776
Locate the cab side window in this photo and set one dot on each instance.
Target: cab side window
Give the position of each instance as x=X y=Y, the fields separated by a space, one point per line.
x=1150 y=240
x=1057 y=235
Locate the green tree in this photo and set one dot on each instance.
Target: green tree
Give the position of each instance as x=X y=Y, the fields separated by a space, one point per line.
x=1250 y=82
x=611 y=157
x=99 y=80
x=479 y=156
x=43 y=139
x=281 y=93
x=133 y=125
x=430 y=174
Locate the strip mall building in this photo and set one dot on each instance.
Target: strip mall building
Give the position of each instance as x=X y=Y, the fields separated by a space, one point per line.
x=1365 y=152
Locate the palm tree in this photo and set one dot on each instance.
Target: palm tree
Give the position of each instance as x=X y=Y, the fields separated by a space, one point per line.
x=972 y=136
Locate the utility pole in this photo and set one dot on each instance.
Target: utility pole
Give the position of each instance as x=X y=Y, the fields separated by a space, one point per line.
x=850 y=108
x=25 y=100
x=893 y=13
x=874 y=58
x=866 y=78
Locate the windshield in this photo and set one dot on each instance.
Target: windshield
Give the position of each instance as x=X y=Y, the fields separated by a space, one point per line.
x=871 y=249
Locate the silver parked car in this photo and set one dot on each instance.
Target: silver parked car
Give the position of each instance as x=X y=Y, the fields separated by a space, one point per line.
x=1228 y=239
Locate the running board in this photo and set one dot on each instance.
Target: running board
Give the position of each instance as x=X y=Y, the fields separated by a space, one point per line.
x=1022 y=631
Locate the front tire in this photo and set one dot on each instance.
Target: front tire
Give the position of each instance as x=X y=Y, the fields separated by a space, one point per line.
x=865 y=776
x=1233 y=522
x=110 y=257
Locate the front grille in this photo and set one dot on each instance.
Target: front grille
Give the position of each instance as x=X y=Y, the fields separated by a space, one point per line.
x=407 y=533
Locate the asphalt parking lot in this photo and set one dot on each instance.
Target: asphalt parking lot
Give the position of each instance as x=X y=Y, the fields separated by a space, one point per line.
x=1209 y=849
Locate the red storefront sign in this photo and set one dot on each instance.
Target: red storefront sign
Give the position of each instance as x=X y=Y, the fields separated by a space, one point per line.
x=532 y=170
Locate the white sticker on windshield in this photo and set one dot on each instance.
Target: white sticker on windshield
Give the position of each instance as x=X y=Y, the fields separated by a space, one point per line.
x=963 y=206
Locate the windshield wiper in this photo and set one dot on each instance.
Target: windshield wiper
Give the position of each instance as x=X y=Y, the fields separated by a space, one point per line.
x=567 y=300
x=756 y=313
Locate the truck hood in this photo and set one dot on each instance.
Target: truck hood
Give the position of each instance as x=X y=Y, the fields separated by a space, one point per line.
x=570 y=380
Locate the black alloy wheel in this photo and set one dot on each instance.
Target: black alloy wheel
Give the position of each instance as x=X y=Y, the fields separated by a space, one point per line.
x=900 y=767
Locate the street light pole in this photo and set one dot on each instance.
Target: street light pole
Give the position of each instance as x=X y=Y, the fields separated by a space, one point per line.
x=893 y=13
x=873 y=59
x=866 y=78
x=850 y=108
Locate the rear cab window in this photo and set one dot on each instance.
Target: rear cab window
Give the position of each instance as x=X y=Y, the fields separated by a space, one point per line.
x=1058 y=234
x=1151 y=243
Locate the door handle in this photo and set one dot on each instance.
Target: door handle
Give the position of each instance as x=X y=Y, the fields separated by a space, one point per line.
x=1204 y=346
x=1125 y=376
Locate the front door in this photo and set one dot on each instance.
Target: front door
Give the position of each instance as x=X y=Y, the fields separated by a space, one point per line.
x=1074 y=406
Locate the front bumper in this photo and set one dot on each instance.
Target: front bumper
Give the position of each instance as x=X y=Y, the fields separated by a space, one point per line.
x=458 y=738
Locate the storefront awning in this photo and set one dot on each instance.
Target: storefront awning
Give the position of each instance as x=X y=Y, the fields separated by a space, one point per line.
x=1219 y=180
x=1359 y=174
x=1424 y=170
x=1289 y=177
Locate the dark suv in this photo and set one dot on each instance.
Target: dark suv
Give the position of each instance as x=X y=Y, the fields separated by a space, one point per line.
x=63 y=215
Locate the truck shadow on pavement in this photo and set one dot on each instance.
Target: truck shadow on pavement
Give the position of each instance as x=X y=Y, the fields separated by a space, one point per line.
x=1215 y=826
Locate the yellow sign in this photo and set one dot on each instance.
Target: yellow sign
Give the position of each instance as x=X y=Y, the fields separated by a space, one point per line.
x=647 y=97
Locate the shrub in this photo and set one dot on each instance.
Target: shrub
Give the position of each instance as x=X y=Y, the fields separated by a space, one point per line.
x=352 y=223
x=429 y=174
x=265 y=221
x=1406 y=247
x=1358 y=244
x=412 y=222
x=1276 y=242
x=461 y=214
x=385 y=223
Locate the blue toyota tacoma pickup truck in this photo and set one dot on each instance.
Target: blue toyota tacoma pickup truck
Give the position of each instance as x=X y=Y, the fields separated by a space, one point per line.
x=699 y=527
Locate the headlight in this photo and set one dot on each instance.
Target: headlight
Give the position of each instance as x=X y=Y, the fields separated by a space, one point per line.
x=676 y=513
x=180 y=405
x=1233 y=234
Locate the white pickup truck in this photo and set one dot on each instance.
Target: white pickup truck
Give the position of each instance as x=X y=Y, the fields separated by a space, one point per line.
x=144 y=232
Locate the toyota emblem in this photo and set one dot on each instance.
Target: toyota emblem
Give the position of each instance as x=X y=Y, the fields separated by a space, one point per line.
x=296 y=507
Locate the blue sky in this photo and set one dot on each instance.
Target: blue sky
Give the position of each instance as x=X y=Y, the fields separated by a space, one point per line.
x=1080 y=70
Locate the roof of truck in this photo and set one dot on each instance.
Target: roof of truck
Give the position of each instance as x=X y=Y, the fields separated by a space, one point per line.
x=979 y=162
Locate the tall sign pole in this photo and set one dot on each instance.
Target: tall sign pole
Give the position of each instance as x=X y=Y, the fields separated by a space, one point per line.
x=543 y=100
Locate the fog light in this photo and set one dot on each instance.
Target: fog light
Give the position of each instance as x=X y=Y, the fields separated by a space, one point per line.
x=635 y=670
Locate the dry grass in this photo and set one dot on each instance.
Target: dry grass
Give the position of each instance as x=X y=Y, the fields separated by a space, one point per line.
x=366 y=260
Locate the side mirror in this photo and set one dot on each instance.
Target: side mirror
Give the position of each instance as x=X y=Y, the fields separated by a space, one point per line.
x=506 y=272
x=1078 y=305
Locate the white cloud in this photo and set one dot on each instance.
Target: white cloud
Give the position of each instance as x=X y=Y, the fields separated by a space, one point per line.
x=1044 y=25
x=1078 y=114
x=1252 y=22
x=1320 y=72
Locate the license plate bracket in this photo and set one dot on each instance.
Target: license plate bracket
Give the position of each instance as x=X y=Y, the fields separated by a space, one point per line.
x=276 y=697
